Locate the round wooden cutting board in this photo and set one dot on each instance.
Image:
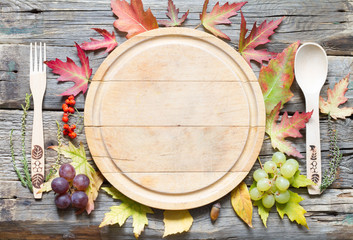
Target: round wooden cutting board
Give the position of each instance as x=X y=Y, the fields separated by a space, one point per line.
x=174 y=118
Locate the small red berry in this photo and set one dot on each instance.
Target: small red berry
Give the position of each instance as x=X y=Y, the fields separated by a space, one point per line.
x=71 y=97
x=65 y=132
x=73 y=127
x=66 y=126
x=71 y=110
x=67 y=101
x=72 y=102
x=65 y=119
x=72 y=135
x=65 y=106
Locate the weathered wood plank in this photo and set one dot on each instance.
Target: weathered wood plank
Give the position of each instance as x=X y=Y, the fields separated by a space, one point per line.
x=11 y=119
x=14 y=72
x=18 y=210
x=61 y=22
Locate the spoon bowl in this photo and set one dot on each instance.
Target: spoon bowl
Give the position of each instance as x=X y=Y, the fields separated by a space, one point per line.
x=310 y=67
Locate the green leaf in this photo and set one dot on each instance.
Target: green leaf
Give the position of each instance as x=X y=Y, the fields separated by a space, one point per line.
x=301 y=180
x=81 y=165
x=263 y=212
x=128 y=207
x=292 y=209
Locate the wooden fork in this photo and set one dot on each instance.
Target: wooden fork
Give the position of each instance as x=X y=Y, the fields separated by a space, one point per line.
x=38 y=82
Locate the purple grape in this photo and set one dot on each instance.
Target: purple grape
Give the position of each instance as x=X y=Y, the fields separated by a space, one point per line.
x=60 y=185
x=79 y=199
x=81 y=182
x=63 y=201
x=67 y=171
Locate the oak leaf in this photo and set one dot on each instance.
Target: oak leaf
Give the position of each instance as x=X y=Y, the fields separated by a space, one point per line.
x=82 y=166
x=241 y=202
x=288 y=127
x=173 y=15
x=69 y=71
x=132 y=18
x=109 y=42
x=301 y=180
x=292 y=209
x=219 y=15
x=128 y=207
x=335 y=98
x=176 y=222
x=258 y=36
x=277 y=77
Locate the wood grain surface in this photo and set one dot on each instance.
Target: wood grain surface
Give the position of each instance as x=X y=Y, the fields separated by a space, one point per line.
x=61 y=23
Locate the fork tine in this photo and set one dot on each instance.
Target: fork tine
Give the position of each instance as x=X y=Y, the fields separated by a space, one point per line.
x=45 y=58
x=30 y=60
x=40 y=60
x=35 y=58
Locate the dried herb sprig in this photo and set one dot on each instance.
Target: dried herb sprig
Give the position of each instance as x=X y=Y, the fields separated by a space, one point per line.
x=335 y=157
x=26 y=179
x=56 y=165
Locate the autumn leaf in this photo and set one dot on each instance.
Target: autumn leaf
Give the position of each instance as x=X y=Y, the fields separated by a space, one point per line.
x=173 y=15
x=109 y=42
x=288 y=127
x=132 y=18
x=258 y=36
x=69 y=71
x=128 y=207
x=277 y=77
x=292 y=209
x=81 y=165
x=335 y=98
x=46 y=187
x=301 y=180
x=241 y=202
x=219 y=15
x=176 y=222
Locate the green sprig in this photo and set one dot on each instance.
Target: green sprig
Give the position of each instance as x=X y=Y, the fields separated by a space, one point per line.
x=336 y=157
x=19 y=175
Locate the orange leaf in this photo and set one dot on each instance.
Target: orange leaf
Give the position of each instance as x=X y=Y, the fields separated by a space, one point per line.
x=132 y=18
x=219 y=15
x=173 y=15
x=335 y=98
x=241 y=202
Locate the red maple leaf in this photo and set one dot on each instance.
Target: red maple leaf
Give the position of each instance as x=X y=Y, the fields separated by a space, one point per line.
x=132 y=18
x=288 y=127
x=258 y=36
x=173 y=15
x=70 y=72
x=109 y=42
x=219 y=15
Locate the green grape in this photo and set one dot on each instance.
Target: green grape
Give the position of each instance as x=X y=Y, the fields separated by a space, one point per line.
x=273 y=188
x=279 y=158
x=255 y=194
x=294 y=162
x=263 y=184
x=270 y=166
x=288 y=170
x=282 y=197
x=268 y=200
x=259 y=174
x=282 y=183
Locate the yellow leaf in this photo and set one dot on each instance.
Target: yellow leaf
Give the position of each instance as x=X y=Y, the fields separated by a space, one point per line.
x=176 y=222
x=92 y=190
x=241 y=202
x=128 y=207
x=294 y=211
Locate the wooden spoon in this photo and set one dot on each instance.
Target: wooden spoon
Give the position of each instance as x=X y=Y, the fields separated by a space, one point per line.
x=310 y=71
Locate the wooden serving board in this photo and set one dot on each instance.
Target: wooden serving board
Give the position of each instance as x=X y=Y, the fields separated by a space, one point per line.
x=174 y=118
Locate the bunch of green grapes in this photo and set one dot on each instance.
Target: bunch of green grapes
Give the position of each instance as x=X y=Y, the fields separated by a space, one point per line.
x=273 y=181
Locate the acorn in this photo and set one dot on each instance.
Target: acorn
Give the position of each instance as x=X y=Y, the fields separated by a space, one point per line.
x=215 y=211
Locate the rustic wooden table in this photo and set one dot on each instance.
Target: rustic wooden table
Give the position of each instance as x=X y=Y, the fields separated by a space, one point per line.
x=61 y=23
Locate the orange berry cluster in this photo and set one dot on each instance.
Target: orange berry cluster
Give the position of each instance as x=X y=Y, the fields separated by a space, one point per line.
x=68 y=108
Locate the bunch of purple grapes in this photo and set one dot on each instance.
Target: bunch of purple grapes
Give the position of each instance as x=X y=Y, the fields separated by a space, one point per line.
x=61 y=185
